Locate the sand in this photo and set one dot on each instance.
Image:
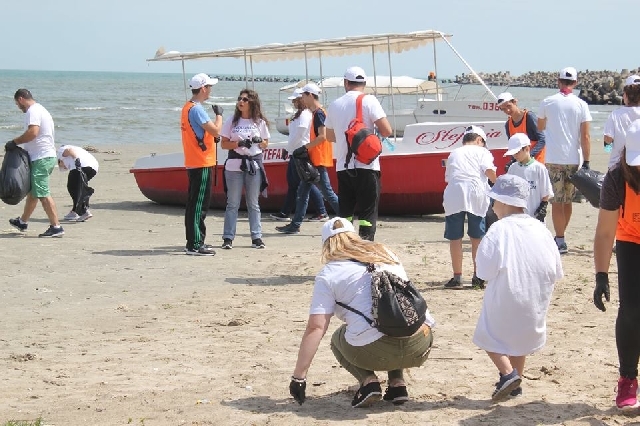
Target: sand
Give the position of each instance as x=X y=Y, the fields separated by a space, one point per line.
x=114 y=325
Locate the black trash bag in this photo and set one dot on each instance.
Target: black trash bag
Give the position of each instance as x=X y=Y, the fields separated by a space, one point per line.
x=490 y=218
x=84 y=192
x=15 y=175
x=589 y=183
x=306 y=170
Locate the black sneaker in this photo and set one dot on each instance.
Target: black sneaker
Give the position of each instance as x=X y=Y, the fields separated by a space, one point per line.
x=279 y=216
x=453 y=284
x=288 y=229
x=52 y=232
x=22 y=227
x=257 y=243
x=397 y=395
x=507 y=383
x=204 y=250
x=367 y=395
x=477 y=283
x=318 y=218
x=516 y=392
x=227 y=244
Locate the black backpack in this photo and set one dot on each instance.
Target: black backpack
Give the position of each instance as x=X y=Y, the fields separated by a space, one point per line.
x=398 y=308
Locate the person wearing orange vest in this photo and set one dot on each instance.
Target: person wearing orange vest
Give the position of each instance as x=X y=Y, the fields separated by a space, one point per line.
x=522 y=121
x=198 y=133
x=320 y=152
x=619 y=219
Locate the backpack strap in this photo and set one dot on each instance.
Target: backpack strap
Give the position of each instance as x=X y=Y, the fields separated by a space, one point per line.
x=359 y=118
x=370 y=268
x=355 y=311
x=359 y=106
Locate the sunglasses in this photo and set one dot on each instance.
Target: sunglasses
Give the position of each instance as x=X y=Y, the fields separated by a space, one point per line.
x=243 y=99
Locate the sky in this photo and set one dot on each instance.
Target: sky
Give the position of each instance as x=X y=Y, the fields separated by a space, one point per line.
x=492 y=35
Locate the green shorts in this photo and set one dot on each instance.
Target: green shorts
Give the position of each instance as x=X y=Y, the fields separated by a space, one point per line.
x=40 y=171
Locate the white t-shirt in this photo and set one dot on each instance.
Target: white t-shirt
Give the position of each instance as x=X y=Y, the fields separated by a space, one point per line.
x=520 y=262
x=467 y=185
x=616 y=127
x=86 y=159
x=339 y=115
x=564 y=116
x=537 y=175
x=244 y=129
x=43 y=145
x=299 y=133
x=349 y=283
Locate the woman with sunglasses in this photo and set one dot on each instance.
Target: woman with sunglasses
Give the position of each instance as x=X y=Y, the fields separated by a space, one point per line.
x=245 y=135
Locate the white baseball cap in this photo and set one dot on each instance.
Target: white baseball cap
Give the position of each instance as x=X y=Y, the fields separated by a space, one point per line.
x=568 y=73
x=200 y=80
x=296 y=94
x=328 y=231
x=355 y=74
x=511 y=189
x=311 y=88
x=632 y=80
x=632 y=144
x=477 y=130
x=504 y=97
x=516 y=143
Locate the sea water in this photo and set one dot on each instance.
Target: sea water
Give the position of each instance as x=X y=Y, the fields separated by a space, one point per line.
x=96 y=108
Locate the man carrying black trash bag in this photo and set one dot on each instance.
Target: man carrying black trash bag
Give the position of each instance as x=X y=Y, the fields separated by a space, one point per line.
x=15 y=175
x=38 y=141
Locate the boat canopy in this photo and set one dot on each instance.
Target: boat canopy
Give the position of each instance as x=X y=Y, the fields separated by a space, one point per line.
x=378 y=43
x=385 y=85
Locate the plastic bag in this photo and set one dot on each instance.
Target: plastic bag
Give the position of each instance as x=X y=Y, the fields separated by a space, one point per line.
x=306 y=170
x=84 y=192
x=589 y=183
x=15 y=176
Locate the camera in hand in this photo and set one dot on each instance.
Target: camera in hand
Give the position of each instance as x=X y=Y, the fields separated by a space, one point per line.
x=244 y=143
x=247 y=143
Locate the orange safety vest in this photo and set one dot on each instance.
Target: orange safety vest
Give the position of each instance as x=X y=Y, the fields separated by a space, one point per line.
x=194 y=157
x=629 y=218
x=322 y=154
x=522 y=128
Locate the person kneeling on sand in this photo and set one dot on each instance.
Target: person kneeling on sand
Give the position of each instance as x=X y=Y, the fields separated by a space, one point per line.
x=358 y=346
x=77 y=160
x=519 y=261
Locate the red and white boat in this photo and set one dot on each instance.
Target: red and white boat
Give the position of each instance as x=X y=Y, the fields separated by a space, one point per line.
x=413 y=167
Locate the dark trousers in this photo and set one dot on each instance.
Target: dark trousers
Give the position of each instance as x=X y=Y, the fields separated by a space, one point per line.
x=293 y=182
x=197 y=206
x=359 y=191
x=628 y=320
x=73 y=185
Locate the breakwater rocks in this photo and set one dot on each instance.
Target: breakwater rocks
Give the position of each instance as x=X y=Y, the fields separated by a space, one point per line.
x=595 y=87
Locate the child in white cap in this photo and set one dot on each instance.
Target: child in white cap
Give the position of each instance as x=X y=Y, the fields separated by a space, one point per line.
x=534 y=172
x=520 y=263
x=465 y=196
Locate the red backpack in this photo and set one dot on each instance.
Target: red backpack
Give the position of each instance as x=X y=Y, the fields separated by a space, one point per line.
x=361 y=141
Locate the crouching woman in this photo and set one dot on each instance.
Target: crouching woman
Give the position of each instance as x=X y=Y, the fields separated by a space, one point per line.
x=358 y=346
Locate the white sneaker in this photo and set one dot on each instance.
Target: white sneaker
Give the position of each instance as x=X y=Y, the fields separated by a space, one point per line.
x=86 y=216
x=71 y=216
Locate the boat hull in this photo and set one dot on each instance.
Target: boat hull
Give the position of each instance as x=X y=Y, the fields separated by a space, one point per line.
x=412 y=177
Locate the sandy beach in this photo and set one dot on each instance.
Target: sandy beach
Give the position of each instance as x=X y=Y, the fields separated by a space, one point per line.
x=114 y=325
